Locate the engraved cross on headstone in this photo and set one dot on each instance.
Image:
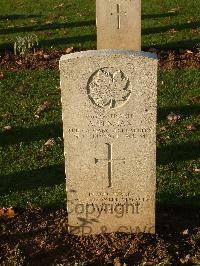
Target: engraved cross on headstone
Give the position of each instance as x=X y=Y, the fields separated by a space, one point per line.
x=110 y=161
x=119 y=13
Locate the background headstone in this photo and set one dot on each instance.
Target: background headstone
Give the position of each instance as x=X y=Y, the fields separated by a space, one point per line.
x=109 y=123
x=118 y=24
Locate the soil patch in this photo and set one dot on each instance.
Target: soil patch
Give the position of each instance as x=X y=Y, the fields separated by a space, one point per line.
x=40 y=237
x=181 y=59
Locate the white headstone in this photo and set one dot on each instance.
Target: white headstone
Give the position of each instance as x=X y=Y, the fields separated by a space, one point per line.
x=109 y=123
x=118 y=24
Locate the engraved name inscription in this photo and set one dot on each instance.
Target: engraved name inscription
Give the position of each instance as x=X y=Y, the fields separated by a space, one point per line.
x=111 y=126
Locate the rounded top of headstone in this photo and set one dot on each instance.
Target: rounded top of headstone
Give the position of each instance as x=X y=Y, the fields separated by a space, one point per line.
x=107 y=52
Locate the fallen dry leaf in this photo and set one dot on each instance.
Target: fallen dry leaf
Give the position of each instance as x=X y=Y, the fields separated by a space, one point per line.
x=41 y=109
x=50 y=142
x=189 y=51
x=195 y=99
x=62 y=17
x=197 y=170
x=117 y=262
x=46 y=56
x=33 y=21
x=162 y=129
x=191 y=127
x=7 y=128
x=185 y=232
x=185 y=260
x=173 y=118
x=69 y=50
x=19 y=62
x=172 y=31
x=174 y=10
x=7 y=213
x=195 y=30
x=39 y=52
x=48 y=22
x=4 y=116
x=59 y=6
x=47 y=33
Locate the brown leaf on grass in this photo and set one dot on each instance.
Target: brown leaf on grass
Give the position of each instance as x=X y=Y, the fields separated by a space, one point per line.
x=41 y=108
x=62 y=17
x=196 y=31
x=173 y=118
x=185 y=232
x=174 y=10
x=48 y=22
x=7 y=128
x=1 y=75
x=195 y=99
x=69 y=50
x=61 y=5
x=47 y=33
x=4 y=116
x=163 y=129
x=172 y=31
x=33 y=21
x=7 y=213
x=191 y=127
x=50 y=142
x=197 y=170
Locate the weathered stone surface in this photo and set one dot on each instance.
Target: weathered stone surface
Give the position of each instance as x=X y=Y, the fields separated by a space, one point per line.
x=109 y=122
x=118 y=24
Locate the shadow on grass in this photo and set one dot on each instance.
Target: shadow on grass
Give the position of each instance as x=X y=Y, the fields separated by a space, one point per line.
x=158 y=15
x=56 y=41
x=178 y=27
x=176 y=217
x=18 y=16
x=186 y=110
x=178 y=152
x=31 y=134
x=26 y=180
x=61 y=41
x=48 y=43
x=53 y=26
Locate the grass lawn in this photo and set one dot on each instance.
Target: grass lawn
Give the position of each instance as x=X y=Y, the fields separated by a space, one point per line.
x=65 y=23
x=33 y=173
x=32 y=170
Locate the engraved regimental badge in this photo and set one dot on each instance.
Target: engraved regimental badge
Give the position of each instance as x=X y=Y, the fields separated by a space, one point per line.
x=109 y=88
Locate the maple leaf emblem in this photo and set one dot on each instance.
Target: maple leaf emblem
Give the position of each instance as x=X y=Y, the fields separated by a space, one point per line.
x=109 y=88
